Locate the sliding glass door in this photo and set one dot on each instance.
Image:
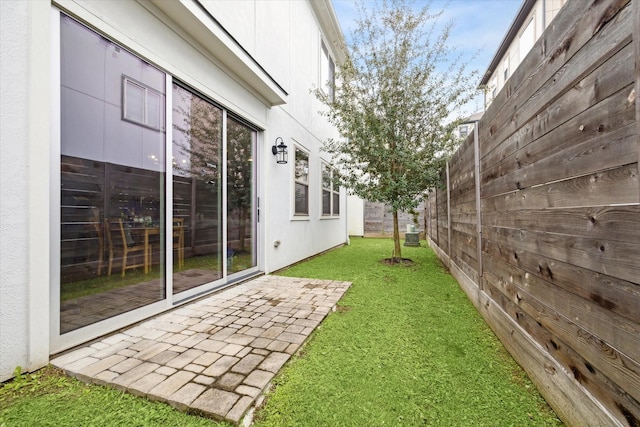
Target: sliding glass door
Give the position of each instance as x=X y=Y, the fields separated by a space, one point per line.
x=112 y=150
x=120 y=226
x=197 y=190
x=241 y=199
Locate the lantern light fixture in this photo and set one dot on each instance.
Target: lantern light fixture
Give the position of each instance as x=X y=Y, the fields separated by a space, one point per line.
x=280 y=151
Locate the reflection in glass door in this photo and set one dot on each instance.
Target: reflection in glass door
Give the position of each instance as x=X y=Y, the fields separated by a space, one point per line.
x=197 y=195
x=112 y=150
x=241 y=221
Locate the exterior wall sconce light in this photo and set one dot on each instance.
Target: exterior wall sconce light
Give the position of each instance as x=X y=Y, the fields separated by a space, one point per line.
x=280 y=151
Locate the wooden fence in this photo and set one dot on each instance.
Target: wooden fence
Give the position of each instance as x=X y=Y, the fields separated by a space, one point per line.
x=539 y=214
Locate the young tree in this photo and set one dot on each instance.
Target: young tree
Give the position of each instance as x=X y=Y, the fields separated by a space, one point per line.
x=394 y=101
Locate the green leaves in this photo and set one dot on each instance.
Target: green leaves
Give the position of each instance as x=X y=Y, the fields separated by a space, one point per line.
x=395 y=102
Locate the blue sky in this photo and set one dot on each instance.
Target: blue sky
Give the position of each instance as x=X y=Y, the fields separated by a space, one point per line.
x=479 y=25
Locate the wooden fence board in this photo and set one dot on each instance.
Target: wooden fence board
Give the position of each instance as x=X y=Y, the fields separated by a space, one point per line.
x=602 y=144
x=611 y=187
x=615 y=16
x=613 y=258
x=636 y=45
x=535 y=318
x=554 y=330
x=621 y=223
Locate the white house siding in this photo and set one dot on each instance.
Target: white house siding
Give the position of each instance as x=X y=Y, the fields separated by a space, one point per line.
x=271 y=92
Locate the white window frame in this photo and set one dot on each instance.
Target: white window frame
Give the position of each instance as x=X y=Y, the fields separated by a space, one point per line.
x=333 y=190
x=527 y=39
x=147 y=121
x=327 y=71
x=297 y=148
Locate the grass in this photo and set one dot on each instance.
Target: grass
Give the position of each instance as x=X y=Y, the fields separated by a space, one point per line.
x=405 y=347
x=50 y=398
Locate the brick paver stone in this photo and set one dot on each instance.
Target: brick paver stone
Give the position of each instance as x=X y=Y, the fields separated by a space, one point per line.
x=185 y=358
x=231 y=349
x=104 y=378
x=220 y=366
x=86 y=373
x=239 y=409
x=142 y=386
x=216 y=403
x=247 y=364
x=123 y=381
x=125 y=365
x=182 y=398
x=229 y=381
x=258 y=379
x=274 y=362
x=171 y=385
x=69 y=358
x=164 y=357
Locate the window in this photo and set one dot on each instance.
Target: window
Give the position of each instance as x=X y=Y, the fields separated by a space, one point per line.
x=330 y=192
x=327 y=73
x=527 y=39
x=506 y=69
x=464 y=131
x=494 y=88
x=142 y=105
x=301 y=177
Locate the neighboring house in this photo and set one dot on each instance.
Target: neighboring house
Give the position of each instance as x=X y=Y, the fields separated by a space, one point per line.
x=136 y=161
x=529 y=24
x=465 y=128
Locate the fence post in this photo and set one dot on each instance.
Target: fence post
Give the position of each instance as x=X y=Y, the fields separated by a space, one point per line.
x=448 y=212
x=476 y=150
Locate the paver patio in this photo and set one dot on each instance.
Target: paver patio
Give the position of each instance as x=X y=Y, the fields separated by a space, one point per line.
x=214 y=356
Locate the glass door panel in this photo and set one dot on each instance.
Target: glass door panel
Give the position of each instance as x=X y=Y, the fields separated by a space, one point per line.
x=241 y=221
x=111 y=179
x=197 y=195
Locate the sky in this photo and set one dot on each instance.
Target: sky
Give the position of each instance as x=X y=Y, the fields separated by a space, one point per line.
x=479 y=26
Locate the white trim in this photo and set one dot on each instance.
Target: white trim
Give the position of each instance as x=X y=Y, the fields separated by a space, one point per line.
x=168 y=190
x=53 y=256
x=224 y=190
x=217 y=41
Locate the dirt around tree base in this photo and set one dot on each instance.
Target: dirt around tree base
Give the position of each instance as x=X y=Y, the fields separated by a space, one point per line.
x=398 y=261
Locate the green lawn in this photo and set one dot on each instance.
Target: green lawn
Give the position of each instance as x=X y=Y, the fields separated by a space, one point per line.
x=405 y=347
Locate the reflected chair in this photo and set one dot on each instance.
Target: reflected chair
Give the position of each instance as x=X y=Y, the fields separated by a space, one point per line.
x=126 y=248
x=178 y=239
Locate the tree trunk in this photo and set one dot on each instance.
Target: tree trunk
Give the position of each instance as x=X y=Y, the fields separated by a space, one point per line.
x=397 y=251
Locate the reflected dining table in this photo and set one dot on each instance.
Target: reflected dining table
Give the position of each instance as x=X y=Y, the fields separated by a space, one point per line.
x=148 y=231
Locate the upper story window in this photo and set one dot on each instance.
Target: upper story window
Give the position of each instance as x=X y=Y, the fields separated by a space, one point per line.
x=527 y=39
x=327 y=73
x=330 y=192
x=506 y=69
x=142 y=105
x=301 y=182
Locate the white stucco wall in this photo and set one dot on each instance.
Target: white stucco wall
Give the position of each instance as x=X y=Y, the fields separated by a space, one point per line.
x=285 y=38
x=24 y=135
x=14 y=62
